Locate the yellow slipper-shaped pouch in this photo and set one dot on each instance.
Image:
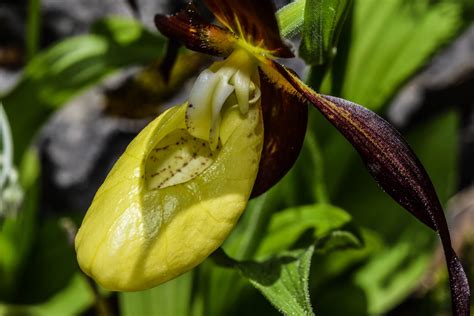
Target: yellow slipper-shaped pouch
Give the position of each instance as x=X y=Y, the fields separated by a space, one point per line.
x=170 y=200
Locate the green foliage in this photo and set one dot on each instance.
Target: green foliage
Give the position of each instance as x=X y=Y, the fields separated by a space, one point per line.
x=323 y=20
x=54 y=76
x=364 y=255
x=291 y=18
x=30 y=251
x=171 y=299
x=389 y=40
x=382 y=45
x=288 y=226
x=73 y=299
x=283 y=280
x=33 y=27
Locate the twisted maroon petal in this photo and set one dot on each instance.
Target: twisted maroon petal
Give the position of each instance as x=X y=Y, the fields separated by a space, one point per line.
x=396 y=169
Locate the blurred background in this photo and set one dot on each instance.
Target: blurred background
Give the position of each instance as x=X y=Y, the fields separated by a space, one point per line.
x=80 y=79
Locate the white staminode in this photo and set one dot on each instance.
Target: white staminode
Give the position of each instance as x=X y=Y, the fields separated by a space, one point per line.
x=212 y=89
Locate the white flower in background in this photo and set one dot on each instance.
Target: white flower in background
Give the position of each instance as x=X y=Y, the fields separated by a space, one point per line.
x=11 y=193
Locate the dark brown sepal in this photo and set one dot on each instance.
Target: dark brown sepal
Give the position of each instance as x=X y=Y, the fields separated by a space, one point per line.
x=254 y=20
x=171 y=54
x=189 y=28
x=396 y=169
x=285 y=117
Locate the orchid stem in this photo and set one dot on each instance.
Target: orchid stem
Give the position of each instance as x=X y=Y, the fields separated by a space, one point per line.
x=222 y=259
x=101 y=305
x=33 y=28
x=320 y=191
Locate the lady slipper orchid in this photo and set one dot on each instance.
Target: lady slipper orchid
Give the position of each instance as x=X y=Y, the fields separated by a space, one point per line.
x=180 y=187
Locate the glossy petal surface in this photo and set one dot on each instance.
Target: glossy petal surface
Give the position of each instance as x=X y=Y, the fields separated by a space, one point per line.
x=195 y=33
x=139 y=232
x=285 y=116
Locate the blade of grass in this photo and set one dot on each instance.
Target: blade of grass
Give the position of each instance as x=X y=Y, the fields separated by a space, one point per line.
x=33 y=26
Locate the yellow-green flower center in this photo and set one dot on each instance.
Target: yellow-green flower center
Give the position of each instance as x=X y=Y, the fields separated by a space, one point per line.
x=232 y=81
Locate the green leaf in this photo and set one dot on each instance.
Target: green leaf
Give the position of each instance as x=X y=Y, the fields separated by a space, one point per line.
x=287 y=226
x=329 y=265
x=33 y=27
x=387 y=42
x=323 y=20
x=74 y=299
x=392 y=274
x=390 y=40
x=51 y=263
x=338 y=240
x=245 y=240
x=290 y=18
x=172 y=298
x=241 y=244
x=283 y=280
x=56 y=75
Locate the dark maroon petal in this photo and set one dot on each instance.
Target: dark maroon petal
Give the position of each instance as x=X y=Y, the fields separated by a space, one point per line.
x=397 y=170
x=253 y=20
x=188 y=27
x=285 y=116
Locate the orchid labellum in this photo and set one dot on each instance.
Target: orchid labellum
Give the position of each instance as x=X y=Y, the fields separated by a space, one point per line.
x=180 y=187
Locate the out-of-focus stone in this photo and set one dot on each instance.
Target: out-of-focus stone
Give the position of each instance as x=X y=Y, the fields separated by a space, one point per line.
x=78 y=147
x=448 y=80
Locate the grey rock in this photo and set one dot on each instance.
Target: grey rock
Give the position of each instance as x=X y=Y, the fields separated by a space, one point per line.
x=446 y=81
x=8 y=79
x=78 y=147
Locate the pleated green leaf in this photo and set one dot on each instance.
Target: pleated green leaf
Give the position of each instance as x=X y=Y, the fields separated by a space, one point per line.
x=283 y=280
x=323 y=20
